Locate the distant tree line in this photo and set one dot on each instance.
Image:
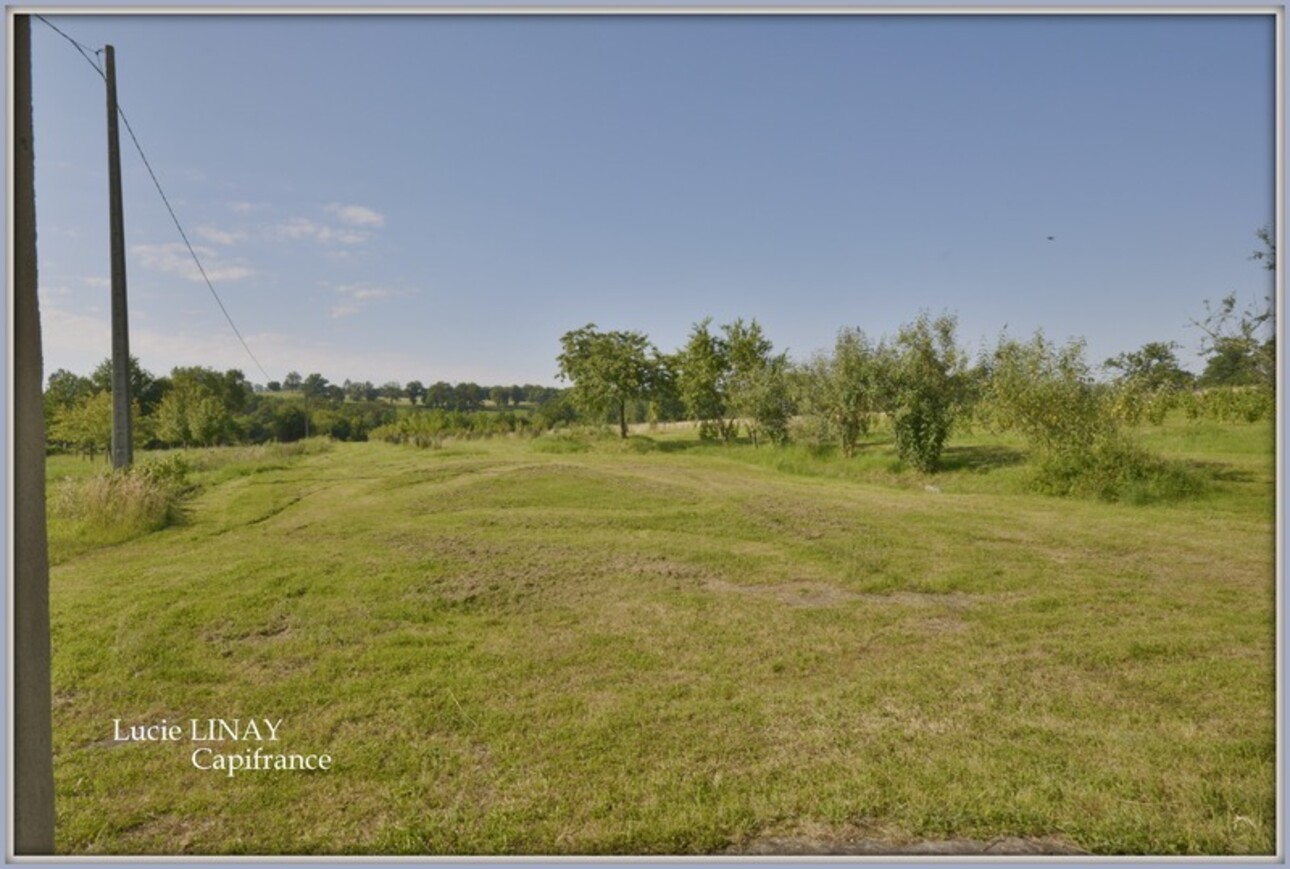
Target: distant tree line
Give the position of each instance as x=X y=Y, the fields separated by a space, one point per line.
x=197 y=406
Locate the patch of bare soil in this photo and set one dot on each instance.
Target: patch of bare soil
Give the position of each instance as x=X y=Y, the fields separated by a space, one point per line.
x=1005 y=846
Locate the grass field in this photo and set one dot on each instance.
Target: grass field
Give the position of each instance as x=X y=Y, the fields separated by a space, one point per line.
x=563 y=646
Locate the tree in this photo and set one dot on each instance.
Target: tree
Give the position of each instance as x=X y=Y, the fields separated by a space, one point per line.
x=144 y=388
x=500 y=396
x=85 y=426
x=755 y=386
x=1154 y=367
x=273 y=386
x=292 y=381
x=313 y=386
x=391 y=391
x=439 y=395
x=701 y=367
x=65 y=389
x=844 y=390
x=608 y=370
x=1049 y=395
x=467 y=397
x=1240 y=345
x=415 y=390
x=924 y=386
x=200 y=406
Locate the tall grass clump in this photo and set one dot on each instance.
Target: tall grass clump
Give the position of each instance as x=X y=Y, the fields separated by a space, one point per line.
x=118 y=505
x=1048 y=394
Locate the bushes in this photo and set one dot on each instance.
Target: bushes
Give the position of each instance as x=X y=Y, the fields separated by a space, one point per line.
x=430 y=428
x=1229 y=404
x=1048 y=395
x=1113 y=469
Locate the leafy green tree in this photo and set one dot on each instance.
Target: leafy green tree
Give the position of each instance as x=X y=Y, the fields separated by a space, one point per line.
x=314 y=386
x=439 y=395
x=415 y=391
x=608 y=370
x=85 y=425
x=1047 y=393
x=1153 y=367
x=755 y=383
x=273 y=386
x=360 y=391
x=468 y=396
x=64 y=390
x=844 y=390
x=144 y=387
x=391 y=391
x=701 y=369
x=292 y=381
x=200 y=407
x=924 y=388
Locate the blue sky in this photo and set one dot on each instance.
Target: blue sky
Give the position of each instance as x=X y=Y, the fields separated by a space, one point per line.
x=431 y=197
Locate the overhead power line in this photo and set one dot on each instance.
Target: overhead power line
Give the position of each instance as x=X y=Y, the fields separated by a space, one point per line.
x=162 y=193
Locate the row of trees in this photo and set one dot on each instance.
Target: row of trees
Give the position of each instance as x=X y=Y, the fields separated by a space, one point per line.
x=196 y=406
x=730 y=378
x=920 y=382
x=441 y=395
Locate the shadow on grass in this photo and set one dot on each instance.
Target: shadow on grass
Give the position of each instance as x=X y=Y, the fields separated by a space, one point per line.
x=668 y=446
x=1221 y=472
x=980 y=459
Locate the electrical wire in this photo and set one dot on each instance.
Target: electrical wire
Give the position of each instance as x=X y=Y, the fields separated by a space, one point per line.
x=166 y=200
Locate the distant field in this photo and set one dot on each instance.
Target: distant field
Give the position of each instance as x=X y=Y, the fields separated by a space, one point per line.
x=570 y=646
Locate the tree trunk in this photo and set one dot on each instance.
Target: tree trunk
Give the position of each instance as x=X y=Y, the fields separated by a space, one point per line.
x=622 y=419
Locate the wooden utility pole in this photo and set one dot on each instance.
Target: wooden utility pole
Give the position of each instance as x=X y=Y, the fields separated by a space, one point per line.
x=122 y=442
x=33 y=781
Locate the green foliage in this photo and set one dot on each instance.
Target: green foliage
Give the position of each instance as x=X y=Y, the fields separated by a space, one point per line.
x=1048 y=395
x=313 y=386
x=86 y=425
x=701 y=367
x=924 y=389
x=64 y=390
x=1114 y=469
x=1151 y=369
x=1229 y=404
x=843 y=391
x=608 y=369
x=756 y=383
x=1239 y=345
x=144 y=388
x=200 y=406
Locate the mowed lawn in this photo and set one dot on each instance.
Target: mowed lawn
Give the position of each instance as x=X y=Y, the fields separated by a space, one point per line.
x=515 y=647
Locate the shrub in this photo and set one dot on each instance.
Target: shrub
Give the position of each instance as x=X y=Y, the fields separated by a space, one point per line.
x=1114 y=469
x=1049 y=396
